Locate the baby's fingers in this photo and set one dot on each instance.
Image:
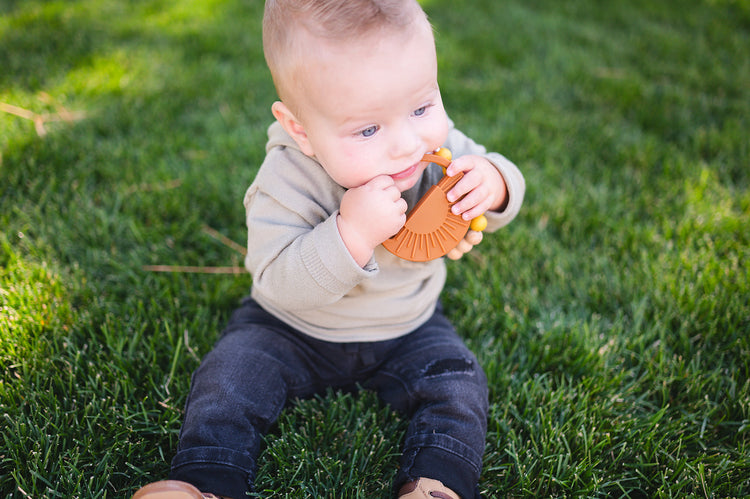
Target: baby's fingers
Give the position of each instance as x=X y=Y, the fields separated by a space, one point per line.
x=473 y=204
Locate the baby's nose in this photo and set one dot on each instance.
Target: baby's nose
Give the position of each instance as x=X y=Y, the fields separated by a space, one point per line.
x=406 y=142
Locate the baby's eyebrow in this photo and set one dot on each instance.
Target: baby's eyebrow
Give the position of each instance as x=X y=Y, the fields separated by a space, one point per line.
x=429 y=94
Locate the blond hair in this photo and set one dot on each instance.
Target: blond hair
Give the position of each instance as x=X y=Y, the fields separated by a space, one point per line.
x=333 y=20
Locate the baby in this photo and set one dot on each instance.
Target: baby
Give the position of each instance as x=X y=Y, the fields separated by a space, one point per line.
x=329 y=306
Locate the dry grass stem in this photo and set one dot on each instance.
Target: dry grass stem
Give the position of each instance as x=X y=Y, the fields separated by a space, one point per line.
x=225 y=240
x=39 y=120
x=189 y=269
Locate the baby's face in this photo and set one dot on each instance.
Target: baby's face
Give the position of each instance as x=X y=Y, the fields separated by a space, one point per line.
x=373 y=107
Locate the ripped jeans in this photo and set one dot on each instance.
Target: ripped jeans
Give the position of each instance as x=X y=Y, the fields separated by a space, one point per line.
x=260 y=364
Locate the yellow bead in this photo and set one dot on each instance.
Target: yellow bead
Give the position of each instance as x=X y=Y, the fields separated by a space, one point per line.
x=479 y=223
x=445 y=152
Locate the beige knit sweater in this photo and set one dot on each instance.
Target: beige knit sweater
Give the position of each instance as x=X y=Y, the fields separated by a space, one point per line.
x=303 y=273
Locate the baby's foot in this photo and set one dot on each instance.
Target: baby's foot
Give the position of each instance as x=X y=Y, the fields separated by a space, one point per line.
x=171 y=489
x=426 y=488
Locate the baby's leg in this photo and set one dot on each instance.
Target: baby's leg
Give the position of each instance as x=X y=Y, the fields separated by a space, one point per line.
x=236 y=394
x=435 y=379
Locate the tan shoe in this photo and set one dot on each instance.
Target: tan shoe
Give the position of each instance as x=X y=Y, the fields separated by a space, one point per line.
x=170 y=489
x=426 y=488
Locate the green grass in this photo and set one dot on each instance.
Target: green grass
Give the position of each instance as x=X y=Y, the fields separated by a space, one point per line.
x=612 y=317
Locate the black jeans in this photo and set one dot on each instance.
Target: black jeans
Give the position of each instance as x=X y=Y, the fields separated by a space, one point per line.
x=260 y=363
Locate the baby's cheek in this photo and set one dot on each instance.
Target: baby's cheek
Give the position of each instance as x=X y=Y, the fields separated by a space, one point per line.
x=442 y=132
x=438 y=130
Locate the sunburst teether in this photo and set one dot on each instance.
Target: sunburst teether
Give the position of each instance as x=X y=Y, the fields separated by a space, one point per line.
x=431 y=229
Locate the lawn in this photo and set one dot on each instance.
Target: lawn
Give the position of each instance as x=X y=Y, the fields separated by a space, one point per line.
x=612 y=317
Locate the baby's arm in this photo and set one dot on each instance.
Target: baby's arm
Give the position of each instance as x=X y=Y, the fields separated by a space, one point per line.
x=369 y=215
x=511 y=187
x=463 y=146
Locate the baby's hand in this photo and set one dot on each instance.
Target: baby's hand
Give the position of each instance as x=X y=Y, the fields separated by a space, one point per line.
x=369 y=215
x=482 y=186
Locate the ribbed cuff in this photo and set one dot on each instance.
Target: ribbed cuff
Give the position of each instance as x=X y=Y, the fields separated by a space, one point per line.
x=428 y=456
x=223 y=474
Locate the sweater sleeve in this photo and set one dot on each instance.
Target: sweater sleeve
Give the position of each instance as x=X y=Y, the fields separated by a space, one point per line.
x=296 y=266
x=295 y=252
x=461 y=145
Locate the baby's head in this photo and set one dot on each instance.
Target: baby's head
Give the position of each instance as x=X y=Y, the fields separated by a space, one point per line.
x=289 y=26
x=358 y=85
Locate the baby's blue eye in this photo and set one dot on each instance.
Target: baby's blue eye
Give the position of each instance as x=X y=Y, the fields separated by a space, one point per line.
x=369 y=131
x=420 y=111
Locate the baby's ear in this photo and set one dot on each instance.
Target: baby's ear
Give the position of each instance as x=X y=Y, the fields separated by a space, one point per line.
x=293 y=127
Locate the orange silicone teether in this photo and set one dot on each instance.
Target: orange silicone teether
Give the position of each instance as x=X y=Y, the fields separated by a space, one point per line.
x=431 y=229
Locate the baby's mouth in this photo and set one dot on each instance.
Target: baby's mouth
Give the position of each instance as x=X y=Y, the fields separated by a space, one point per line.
x=409 y=171
x=406 y=173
